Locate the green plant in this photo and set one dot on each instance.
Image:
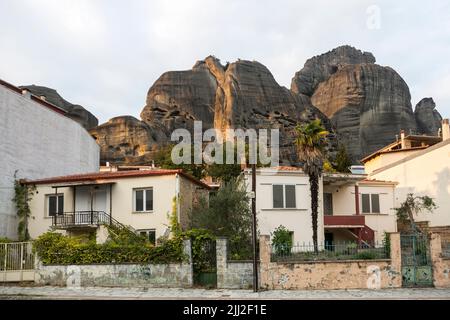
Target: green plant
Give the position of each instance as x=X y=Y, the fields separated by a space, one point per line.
x=5 y=240
x=342 y=162
x=311 y=141
x=387 y=243
x=282 y=241
x=201 y=239
x=22 y=196
x=227 y=214
x=54 y=248
x=412 y=206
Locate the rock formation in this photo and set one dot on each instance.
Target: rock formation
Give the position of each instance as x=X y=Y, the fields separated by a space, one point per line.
x=74 y=111
x=363 y=103
x=427 y=117
x=367 y=103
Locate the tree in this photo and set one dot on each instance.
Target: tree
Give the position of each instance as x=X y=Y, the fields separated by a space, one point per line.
x=228 y=214
x=342 y=161
x=311 y=141
x=163 y=159
x=412 y=206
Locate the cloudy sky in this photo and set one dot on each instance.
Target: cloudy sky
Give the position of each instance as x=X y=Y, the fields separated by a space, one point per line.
x=105 y=54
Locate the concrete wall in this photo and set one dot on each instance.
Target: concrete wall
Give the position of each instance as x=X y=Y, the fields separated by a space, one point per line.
x=232 y=274
x=441 y=265
x=385 y=159
x=350 y=274
x=124 y=275
x=427 y=174
x=39 y=143
x=297 y=220
x=164 y=191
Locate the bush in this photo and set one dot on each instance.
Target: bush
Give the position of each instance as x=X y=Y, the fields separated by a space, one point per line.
x=282 y=241
x=54 y=248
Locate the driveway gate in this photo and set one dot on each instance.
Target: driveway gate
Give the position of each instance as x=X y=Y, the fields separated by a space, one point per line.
x=16 y=262
x=204 y=263
x=417 y=270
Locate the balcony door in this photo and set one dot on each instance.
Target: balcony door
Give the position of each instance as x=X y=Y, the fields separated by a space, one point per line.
x=98 y=196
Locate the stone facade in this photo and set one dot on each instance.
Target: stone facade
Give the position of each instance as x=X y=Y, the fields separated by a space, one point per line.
x=173 y=275
x=350 y=274
x=232 y=274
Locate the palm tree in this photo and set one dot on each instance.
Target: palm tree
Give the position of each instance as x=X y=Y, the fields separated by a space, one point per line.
x=311 y=142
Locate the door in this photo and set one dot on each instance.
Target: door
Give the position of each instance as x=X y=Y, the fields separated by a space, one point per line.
x=328 y=241
x=328 y=204
x=417 y=269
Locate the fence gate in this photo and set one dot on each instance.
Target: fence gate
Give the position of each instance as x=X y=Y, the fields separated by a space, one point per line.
x=417 y=270
x=204 y=263
x=16 y=262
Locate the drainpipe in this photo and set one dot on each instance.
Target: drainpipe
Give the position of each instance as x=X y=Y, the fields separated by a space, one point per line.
x=357 y=199
x=177 y=193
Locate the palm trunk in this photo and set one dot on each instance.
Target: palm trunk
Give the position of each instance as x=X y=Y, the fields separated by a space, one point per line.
x=314 y=187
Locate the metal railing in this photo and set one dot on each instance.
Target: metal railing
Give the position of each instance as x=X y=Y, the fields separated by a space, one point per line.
x=16 y=256
x=445 y=249
x=86 y=218
x=329 y=251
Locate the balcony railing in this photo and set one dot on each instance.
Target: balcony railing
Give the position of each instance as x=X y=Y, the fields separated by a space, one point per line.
x=350 y=220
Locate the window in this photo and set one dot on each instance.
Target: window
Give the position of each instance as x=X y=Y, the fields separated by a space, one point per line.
x=328 y=204
x=150 y=234
x=370 y=203
x=143 y=200
x=55 y=204
x=375 y=203
x=284 y=196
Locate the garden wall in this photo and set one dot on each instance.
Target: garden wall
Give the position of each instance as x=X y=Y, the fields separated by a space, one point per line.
x=441 y=264
x=345 y=274
x=232 y=274
x=123 y=275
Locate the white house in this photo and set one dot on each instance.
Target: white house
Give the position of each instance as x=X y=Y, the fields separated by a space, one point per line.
x=37 y=141
x=422 y=171
x=351 y=207
x=141 y=199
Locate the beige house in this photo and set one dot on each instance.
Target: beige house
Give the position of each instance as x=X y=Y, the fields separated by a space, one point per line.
x=142 y=199
x=351 y=207
x=421 y=171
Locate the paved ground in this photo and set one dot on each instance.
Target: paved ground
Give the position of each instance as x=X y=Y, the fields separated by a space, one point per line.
x=16 y=292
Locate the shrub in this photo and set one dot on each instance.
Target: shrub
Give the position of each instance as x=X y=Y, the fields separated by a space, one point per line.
x=282 y=241
x=54 y=248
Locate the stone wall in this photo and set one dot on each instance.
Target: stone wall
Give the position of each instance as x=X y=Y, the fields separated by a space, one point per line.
x=124 y=275
x=441 y=264
x=349 y=274
x=232 y=274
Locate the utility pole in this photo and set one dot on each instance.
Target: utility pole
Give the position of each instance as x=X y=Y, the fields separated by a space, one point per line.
x=255 y=252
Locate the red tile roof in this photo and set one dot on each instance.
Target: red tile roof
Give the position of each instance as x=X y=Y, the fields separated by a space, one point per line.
x=378 y=181
x=95 y=176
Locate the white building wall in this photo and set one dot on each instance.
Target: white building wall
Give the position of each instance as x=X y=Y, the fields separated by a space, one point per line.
x=39 y=143
x=427 y=174
x=297 y=220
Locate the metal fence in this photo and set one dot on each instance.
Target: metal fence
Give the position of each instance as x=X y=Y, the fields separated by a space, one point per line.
x=445 y=249
x=16 y=261
x=330 y=251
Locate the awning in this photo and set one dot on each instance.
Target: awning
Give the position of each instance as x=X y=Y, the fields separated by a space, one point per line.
x=83 y=183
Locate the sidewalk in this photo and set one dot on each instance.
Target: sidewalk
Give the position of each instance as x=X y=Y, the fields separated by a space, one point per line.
x=16 y=292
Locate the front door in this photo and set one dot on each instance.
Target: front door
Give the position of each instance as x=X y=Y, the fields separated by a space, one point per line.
x=417 y=269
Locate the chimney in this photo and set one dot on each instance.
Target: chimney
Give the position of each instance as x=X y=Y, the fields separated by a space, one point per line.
x=26 y=93
x=42 y=97
x=445 y=130
x=402 y=138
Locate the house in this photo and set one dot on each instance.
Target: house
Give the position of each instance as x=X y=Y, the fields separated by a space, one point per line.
x=421 y=170
x=37 y=141
x=141 y=199
x=351 y=207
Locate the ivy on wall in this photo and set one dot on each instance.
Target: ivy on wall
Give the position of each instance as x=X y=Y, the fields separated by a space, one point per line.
x=22 y=195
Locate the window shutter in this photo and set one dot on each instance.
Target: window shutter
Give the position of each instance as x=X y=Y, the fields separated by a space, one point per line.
x=139 y=205
x=278 y=196
x=149 y=199
x=365 y=203
x=375 y=203
x=290 y=196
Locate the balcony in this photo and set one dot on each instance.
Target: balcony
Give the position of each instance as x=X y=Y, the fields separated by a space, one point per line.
x=341 y=221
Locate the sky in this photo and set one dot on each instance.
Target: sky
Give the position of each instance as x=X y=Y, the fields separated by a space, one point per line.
x=106 y=54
